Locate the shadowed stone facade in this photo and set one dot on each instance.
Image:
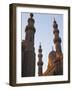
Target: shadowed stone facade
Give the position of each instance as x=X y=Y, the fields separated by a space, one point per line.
x=28 y=50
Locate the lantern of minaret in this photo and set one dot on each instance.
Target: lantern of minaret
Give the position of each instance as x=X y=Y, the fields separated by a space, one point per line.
x=40 y=63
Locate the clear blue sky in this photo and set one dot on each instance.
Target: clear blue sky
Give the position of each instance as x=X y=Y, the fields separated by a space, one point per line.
x=44 y=33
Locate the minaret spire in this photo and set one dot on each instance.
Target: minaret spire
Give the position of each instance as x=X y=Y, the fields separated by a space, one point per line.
x=40 y=63
x=59 y=55
x=57 y=39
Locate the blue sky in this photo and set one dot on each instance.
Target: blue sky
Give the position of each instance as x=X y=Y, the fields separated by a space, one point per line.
x=44 y=33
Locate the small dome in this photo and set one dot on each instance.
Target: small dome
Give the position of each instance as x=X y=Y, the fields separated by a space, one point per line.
x=52 y=55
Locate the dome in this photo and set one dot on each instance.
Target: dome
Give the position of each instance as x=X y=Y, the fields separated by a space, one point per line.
x=52 y=55
x=51 y=60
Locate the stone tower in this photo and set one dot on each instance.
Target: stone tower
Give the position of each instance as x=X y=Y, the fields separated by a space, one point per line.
x=55 y=58
x=59 y=55
x=40 y=63
x=28 y=50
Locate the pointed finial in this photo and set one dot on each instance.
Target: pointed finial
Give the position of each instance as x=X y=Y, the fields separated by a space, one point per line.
x=40 y=49
x=31 y=15
x=40 y=44
x=55 y=25
x=54 y=20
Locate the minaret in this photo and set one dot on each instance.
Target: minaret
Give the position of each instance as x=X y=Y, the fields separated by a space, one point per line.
x=28 y=52
x=55 y=57
x=40 y=63
x=57 y=39
x=59 y=55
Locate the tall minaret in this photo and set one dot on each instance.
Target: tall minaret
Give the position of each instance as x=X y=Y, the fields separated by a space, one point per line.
x=28 y=51
x=59 y=55
x=40 y=63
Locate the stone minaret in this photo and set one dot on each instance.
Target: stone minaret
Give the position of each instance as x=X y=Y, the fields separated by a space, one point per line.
x=28 y=50
x=59 y=55
x=55 y=57
x=40 y=63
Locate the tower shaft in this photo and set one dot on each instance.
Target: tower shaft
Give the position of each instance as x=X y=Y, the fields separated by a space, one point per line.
x=28 y=50
x=59 y=55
